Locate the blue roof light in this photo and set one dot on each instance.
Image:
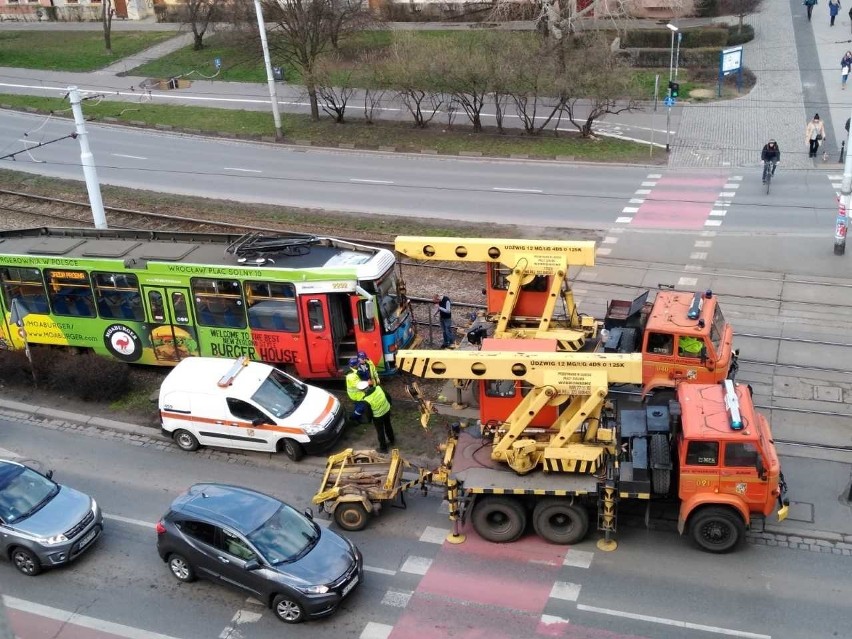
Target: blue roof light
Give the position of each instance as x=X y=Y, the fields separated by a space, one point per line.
x=732 y=403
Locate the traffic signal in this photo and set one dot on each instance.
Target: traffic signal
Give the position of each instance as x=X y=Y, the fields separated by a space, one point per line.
x=674 y=89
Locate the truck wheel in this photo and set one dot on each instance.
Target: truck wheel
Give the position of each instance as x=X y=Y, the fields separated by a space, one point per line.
x=717 y=530
x=292 y=449
x=560 y=522
x=661 y=478
x=499 y=519
x=185 y=440
x=351 y=516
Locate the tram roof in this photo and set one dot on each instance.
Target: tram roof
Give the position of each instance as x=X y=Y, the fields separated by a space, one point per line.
x=136 y=248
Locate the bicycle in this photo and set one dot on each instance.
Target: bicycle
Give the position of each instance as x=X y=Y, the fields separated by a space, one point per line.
x=768 y=173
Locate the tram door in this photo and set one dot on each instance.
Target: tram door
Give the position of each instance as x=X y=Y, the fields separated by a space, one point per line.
x=319 y=336
x=172 y=330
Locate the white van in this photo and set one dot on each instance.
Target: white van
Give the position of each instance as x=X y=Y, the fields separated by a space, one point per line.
x=249 y=405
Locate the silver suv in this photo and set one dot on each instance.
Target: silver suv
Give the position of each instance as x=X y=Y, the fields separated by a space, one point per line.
x=43 y=524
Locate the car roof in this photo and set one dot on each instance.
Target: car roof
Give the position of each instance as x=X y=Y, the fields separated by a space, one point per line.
x=240 y=509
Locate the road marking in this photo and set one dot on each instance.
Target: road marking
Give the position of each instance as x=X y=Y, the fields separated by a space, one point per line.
x=718 y=212
x=636 y=200
x=648 y=184
x=508 y=190
x=416 y=565
x=630 y=209
x=698 y=256
x=434 y=535
x=370 y=181
x=240 y=617
x=397 y=598
x=379 y=571
x=603 y=251
x=578 y=558
x=565 y=590
x=610 y=240
x=687 y=281
x=232 y=168
x=736 y=178
x=731 y=186
x=713 y=223
x=25 y=141
x=623 y=220
x=727 y=194
x=693 y=268
x=84 y=621
x=674 y=622
x=550 y=620
x=643 y=191
x=375 y=630
x=128 y=520
x=702 y=244
x=132 y=157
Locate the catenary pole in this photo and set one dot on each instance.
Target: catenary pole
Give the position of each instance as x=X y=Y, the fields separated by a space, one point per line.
x=88 y=161
x=842 y=223
x=270 y=80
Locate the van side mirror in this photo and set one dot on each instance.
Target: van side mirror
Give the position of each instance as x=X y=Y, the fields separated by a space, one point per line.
x=258 y=421
x=252 y=564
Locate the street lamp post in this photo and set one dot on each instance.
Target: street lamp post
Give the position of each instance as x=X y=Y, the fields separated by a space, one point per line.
x=261 y=25
x=674 y=30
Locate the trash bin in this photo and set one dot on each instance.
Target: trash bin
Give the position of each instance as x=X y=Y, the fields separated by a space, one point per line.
x=278 y=73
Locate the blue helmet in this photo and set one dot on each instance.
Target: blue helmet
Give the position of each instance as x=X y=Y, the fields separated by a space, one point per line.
x=353 y=362
x=362 y=355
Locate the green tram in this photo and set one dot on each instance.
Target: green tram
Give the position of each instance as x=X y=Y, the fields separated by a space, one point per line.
x=302 y=302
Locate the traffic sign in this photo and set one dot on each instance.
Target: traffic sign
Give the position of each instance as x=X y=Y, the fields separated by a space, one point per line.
x=669 y=101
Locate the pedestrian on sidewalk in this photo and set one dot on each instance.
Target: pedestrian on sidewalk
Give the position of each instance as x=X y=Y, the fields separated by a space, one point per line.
x=810 y=5
x=833 y=9
x=845 y=65
x=443 y=309
x=814 y=134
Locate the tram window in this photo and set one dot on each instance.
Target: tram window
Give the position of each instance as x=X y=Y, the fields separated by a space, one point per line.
x=25 y=285
x=70 y=293
x=500 y=280
x=315 y=315
x=272 y=306
x=179 y=308
x=366 y=322
x=118 y=296
x=158 y=312
x=218 y=303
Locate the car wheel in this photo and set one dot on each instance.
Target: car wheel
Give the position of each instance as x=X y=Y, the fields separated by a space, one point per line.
x=26 y=562
x=293 y=449
x=288 y=609
x=717 y=530
x=185 y=440
x=181 y=569
x=560 y=522
x=351 y=516
x=499 y=519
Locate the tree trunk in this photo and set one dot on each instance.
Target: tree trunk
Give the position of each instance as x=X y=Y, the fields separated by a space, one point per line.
x=106 y=17
x=197 y=41
x=312 y=96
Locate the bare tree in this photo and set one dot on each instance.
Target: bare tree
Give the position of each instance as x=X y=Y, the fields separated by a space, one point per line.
x=529 y=76
x=302 y=30
x=739 y=8
x=200 y=15
x=106 y=17
x=372 y=100
x=414 y=73
x=334 y=89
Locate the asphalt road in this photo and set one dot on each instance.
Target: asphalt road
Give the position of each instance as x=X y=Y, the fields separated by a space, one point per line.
x=536 y=194
x=655 y=585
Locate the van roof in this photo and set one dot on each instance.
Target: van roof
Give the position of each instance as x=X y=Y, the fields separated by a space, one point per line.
x=202 y=374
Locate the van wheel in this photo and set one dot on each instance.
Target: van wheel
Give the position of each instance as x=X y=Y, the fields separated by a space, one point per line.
x=292 y=449
x=185 y=440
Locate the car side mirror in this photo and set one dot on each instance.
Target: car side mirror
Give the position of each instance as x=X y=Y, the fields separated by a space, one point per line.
x=309 y=514
x=252 y=564
x=49 y=474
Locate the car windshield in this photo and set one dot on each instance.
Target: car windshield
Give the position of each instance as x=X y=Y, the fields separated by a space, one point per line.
x=23 y=492
x=286 y=536
x=280 y=394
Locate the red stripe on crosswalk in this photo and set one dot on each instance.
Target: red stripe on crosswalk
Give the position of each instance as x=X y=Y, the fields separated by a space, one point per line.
x=27 y=625
x=679 y=202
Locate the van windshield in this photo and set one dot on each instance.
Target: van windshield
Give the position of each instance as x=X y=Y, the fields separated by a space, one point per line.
x=286 y=536
x=280 y=394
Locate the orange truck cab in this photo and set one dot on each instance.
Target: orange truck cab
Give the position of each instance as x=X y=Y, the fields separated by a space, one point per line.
x=728 y=468
x=682 y=337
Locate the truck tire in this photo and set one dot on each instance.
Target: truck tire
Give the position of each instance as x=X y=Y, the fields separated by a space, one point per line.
x=499 y=519
x=292 y=449
x=717 y=530
x=661 y=454
x=560 y=522
x=351 y=516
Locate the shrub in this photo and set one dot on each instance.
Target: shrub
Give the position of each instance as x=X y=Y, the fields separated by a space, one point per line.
x=735 y=36
x=14 y=368
x=89 y=376
x=662 y=39
x=707 y=8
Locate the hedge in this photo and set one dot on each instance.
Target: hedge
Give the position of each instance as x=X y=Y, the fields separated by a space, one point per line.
x=661 y=39
x=661 y=58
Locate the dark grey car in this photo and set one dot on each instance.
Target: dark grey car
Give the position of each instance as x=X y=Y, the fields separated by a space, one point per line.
x=261 y=546
x=42 y=523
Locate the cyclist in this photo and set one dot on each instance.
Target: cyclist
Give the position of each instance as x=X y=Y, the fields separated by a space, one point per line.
x=770 y=154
